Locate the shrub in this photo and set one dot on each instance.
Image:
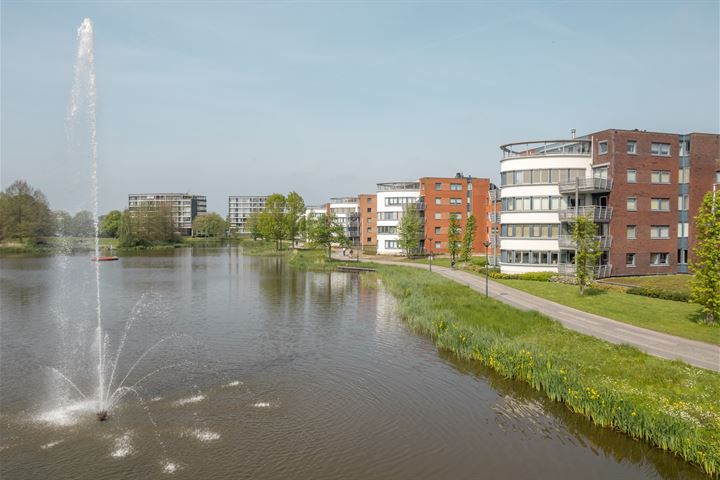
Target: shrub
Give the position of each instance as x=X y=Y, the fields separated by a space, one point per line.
x=657 y=293
x=534 y=276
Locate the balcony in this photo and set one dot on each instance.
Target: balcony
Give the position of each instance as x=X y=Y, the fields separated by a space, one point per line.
x=545 y=148
x=421 y=206
x=494 y=217
x=601 y=271
x=566 y=241
x=495 y=195
x=586 y=185
x=595 y=212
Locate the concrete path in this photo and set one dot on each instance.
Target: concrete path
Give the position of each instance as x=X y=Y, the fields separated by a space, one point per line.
x=699 y=354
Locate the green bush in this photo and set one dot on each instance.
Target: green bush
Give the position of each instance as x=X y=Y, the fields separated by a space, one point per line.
x=662 y=294
x=534 y=276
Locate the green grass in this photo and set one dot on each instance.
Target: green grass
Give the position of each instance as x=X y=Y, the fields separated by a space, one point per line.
x=671 y=283
x=444 y=261
x=667 y=403
x=674 y=318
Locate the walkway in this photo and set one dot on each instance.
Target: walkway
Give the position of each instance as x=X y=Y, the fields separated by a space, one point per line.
x=699 y=354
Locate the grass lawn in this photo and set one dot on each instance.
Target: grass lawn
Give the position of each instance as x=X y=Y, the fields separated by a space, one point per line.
x=444 y=261
x=672 y=283
x=675 y=318
x=667 y=403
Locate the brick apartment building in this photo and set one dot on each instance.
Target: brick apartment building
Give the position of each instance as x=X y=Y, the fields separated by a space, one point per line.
x=367 y=207
x=641 y=188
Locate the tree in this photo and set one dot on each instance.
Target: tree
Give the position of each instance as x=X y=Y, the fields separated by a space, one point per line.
x=24 y=212
x=587 y=250
x=63 y=222
x=253 y=226
x=409 y=229
x=468 y=238
x=209 y=225
x=294 y=213
x=82 y=224
x=454 y=232
x=705 y=285
x=110 y=224
x=147 y=225
x=127 y=231
x=323 y=231
x=271 y=221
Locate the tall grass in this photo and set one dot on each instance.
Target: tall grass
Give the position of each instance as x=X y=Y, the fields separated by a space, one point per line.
x=667 y=403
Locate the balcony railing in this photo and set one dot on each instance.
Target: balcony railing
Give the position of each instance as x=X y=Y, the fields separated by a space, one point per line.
x=586 y=185
x=421 y=206
x=494 y=217
x=595 y=212
x=495 y=195
x=601 y=271
x=566 y=241
x=574 y=147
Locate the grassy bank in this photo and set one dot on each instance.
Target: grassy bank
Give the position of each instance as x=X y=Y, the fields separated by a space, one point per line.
x=674 y=318
x=669 y=404
x=670 y=283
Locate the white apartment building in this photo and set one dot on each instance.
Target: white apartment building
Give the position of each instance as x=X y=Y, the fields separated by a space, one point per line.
x=184 y=207
x=541 y=184
x=241 y=207
x=346 y=213
x=315 y=211
x=391 y=199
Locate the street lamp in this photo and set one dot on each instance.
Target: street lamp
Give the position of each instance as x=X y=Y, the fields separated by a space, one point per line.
x=487 y=244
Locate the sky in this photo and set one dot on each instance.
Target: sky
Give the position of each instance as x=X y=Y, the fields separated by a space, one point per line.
x=329 y=98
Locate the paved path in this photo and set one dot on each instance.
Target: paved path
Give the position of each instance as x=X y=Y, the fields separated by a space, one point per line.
x=696 y=353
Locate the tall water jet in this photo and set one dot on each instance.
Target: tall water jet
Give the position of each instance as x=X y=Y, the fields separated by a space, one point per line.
x=84 y=94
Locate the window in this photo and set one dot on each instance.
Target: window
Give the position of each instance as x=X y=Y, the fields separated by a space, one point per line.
x=660 y=204
x=659 y=231
x=682 y=229
x=682 y=256
x=438 y=230
x=631 y=232
x=660 y=149
x=684 y=148
x=438 y=216
x=369 y=220
x=438 y=201
x=602 y=148
x=391 y=244
x=683 y=202
x=660 y=176
x=369 y=200
x=369 y=210
x=369 y=229
x=659 y=258
x=456 y=215
x=438 y=245
x=632 y=176
x=456 y=201
x=631 y=204
x=630 y=259
x=387 y=230
x=369 y=239
x=458 y=186
x=400 y=200
x=631 y=147
x=717 y=177
x=684 y=175
x=438 y=186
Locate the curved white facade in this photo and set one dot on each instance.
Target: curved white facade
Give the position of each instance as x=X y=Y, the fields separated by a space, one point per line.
x=391 y=200
x=531 y=200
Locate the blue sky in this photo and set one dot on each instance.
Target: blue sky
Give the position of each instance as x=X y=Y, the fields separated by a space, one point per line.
x=328 y=98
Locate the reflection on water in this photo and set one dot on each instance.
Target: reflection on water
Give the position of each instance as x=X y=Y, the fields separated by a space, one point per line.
x=292 y=375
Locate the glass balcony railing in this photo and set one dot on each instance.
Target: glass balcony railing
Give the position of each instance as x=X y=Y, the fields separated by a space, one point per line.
x=586 y=185
x=595 y=212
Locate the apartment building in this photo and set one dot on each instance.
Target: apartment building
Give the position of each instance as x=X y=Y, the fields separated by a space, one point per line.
x=242 y=207
x=346 y=213
x=315 y=211
x=367 y=207
x=640 y=188
x=391 y=200
x=459 y=197
x=184 y=207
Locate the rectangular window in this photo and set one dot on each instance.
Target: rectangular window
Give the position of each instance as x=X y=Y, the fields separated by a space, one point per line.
x=659 y=258
x=684 y=175
x=438 y=201
x=631 y=147
x=684 y=148
x=554 y=203
x=631 y=232
x=369 y=239
x=630 y=259
x=438 y=230
x=660 y=149
x=456 y=201
x=438 y=216
x=369 y=220
x=683 y=202
x=659 y=231
x=456 y=215
x=369 y=210
x=369 y=229
x=602 y=148
x=391 y=244
x=717 y=177
x=438 y=186
x=438 y=245
x=632 y=204
x=682 y=256
x=369 y=200
x=457 y=186
x=660 y=176
x=660 y=204
x=632 y=176
x=682 y=229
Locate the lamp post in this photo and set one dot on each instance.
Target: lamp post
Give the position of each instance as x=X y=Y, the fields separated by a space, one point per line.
x=430 y=256
x=487 y=244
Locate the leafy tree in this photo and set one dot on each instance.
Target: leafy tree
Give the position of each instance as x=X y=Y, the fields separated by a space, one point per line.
x=253 y=225
x=209 y=225
x=271 y=221
x=110 y=224
x=24 y=212
x=323 y=231
x=294 y=214
x=468 y=238
x=82 y=224
x=705 y=285
x=587 y=250
x=409 y=229
x=63 y=222
x=454 y=232
x=127 y=236
x=147 y=225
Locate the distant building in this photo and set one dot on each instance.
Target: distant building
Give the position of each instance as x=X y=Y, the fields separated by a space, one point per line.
x=391 y=200
x=184 y=207
x=367 y=209
x=345 y=211
x=241 y=207
x=641 y=188
x=315 y=211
